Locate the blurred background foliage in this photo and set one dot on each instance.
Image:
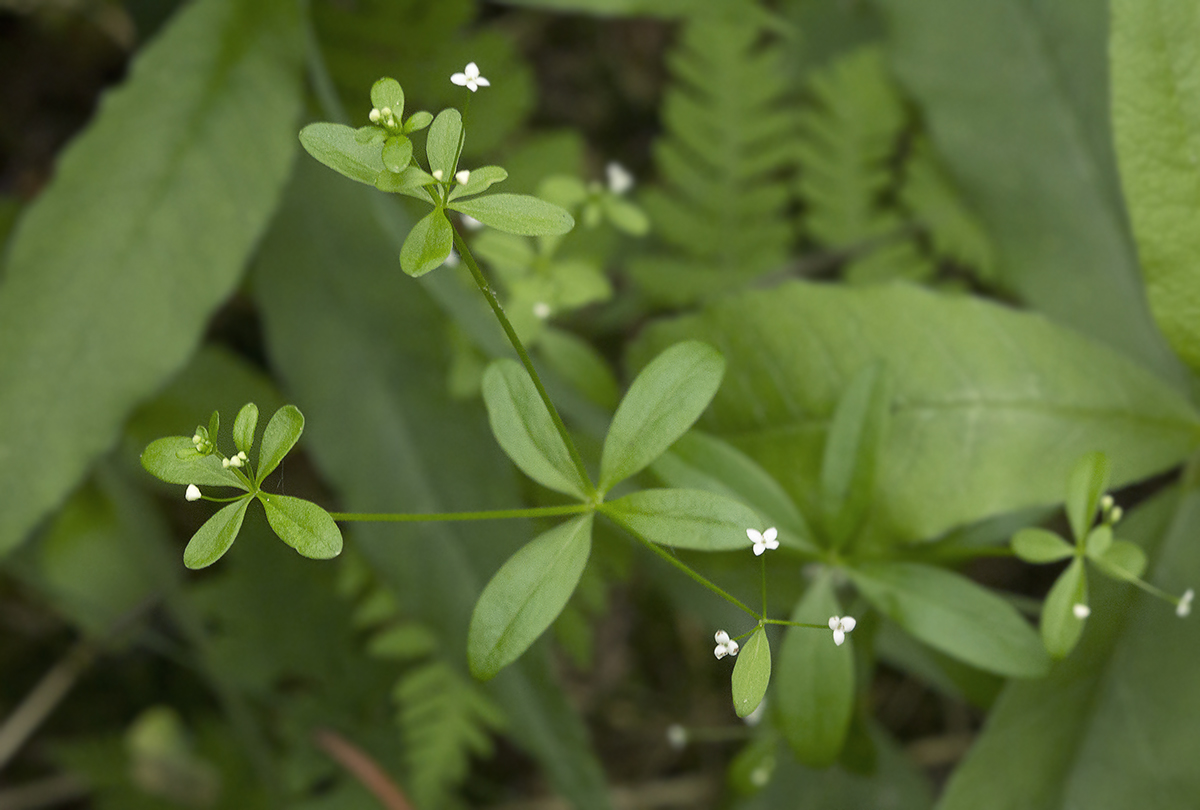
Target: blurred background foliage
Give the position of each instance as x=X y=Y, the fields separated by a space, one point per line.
x=169 y=251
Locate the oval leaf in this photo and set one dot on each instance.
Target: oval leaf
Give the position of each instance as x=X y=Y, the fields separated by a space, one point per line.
x=1061 y=628
x=751 y=673
x=303 y=525
x=427 y=245
x=281 y=435
x=397 y=153
x=523 y=428
x=685 y=518
x=442 y=142
x=214 y=538
x=665 y=399
x=526 y=595
x=481 y=180
x=174 y=459
x=518 y=214
x=1085 y=486
x=387 y=92
x=244 y=426
x=951 y=613
x=1123 y=560
x=1040 y=546
x=338 y=147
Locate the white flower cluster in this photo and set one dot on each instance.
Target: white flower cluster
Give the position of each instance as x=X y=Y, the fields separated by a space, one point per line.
x=725 y=645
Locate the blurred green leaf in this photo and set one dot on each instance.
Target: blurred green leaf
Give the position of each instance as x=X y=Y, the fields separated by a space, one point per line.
x=951 y=613
x=751 y=673
x=685 y=518
x=1040 y=546
x=526 y=595
x=851 y=455
x=1156 y=119
x=174 y=459
x=214 y=538
x=157 y=206
x=1085 y=486
x=427 y=245
x=663 y=401
x=1061 y=628
x=1122 y=559
x=519 y=214
x=303 y=525
x=580 y=365
x=244 y=426
x=280 y=436
x=338 y=147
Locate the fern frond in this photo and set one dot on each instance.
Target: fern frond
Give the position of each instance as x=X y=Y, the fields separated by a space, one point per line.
x=721 y=206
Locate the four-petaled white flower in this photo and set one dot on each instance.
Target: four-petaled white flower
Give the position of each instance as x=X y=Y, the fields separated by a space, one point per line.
x=470 y=78
x=1081 y=610
x=192 y=493
x=763 y=541
x=841 y=625
x=619 y=178
x=1185 y=603
x=725 y=645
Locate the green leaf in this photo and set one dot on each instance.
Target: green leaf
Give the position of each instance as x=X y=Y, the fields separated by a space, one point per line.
x=1098 y=541
x=338 y=147
x=303 y=525
x=388 y=93
x=281 y=435
x=951 y=613
x=526 y=595
x=524 y=429
x=157 y=205
x=417 y=121
x=481 y=179
x=1061 y=628
x=1040 y=546
x=991 y=407
x=851 y=454
x=1156 y=118
x=1122 y=560
x=442 y=142
x=244 y=426
x=1087 y=483
x=751 y=673
x=411 y=182
x=685 y=518
x=814 y=692
x=214 y=538
x=427 y=244
x=397 y=153
x=174 y=459
x=665 y=399
x=518 y=214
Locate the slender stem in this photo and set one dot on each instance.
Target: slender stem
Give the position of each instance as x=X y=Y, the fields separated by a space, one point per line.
x=496 y=514
x=787 y=623
x=696 y=575
x=494 y=303
x=763 y=560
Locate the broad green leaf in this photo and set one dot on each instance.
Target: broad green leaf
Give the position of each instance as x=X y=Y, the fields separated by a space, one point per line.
x=751 y=673
x=1085 y=486
x=303 y=525
x=442 y=142
x=142 y=234
x=281 y=435
x=411 y=182
x=397 y=153
x=1156 y=119
x=1113 y=726
x=851 y=454
x=951 y=613
x=1122 y=559
x=524 y=429
x=387 y=92
x=685 y=518
x=244 y=426
x=1098 y=541
x=427 y=245
x=700 y=461
x=1040 y=546
x=338 y=147
x=526 y=595
x=518 y=214
x=1061 y=628
x=481 y=179
x=417 y=121
x=814 y=685
x=217 y=534
x=1031 y=149
x=174 y=459
x=991 y=407
x=665 y=399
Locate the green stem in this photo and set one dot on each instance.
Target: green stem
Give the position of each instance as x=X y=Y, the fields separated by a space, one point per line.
x=496 y=514
x=696 y=575
x=494 y=303
x=786 y=623
x=763 y=560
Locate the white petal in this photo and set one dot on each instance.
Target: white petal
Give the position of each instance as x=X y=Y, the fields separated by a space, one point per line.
x=619 y=179
x=732 y=646
x=472 y=70
x=771 y=543
x=848 y=623
x=1081 y=611
x=770 y=535
x=833 y=622
x=759 y=548
x=838 y=637
x=460 y=79
x=721 y=637
x=755 y=536
x=463 y=177
x=720 y=652
x=482 y=82
x=192 y=493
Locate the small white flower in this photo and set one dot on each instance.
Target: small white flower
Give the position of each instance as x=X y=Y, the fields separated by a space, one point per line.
x=725 y=645
x=677 y=736
x=192 y=493
x=541 y=310
x=463 y=177
x=374 y=116
x=619 y=178
x=1081 y=610
x=438 y=174
x=1185 y=603
x=841 y=625
x=242 y=455
x=225 y=463
x=470 y=223
x=763 y=541
x=470 y=78
x=197 y=439
x=236 y=461
x=1106 y=503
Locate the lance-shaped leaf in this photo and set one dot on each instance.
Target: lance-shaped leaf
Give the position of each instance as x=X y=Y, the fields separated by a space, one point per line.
x=685 y=518
x=523 y=428
x=427 y=244
x=814 y=685
x=951 y=613
x=1040 y=546
x=1062 y=625
x=526 y=595
x=244 y=426
x=665 y=399
x=217 y=534
x=751 y=673
x=174 y=459
x=442 y=142
x=851 y=454
x=338 y=147
x=281 y=435
x=1085 y=486
x=518 y=214
x=303 y=525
